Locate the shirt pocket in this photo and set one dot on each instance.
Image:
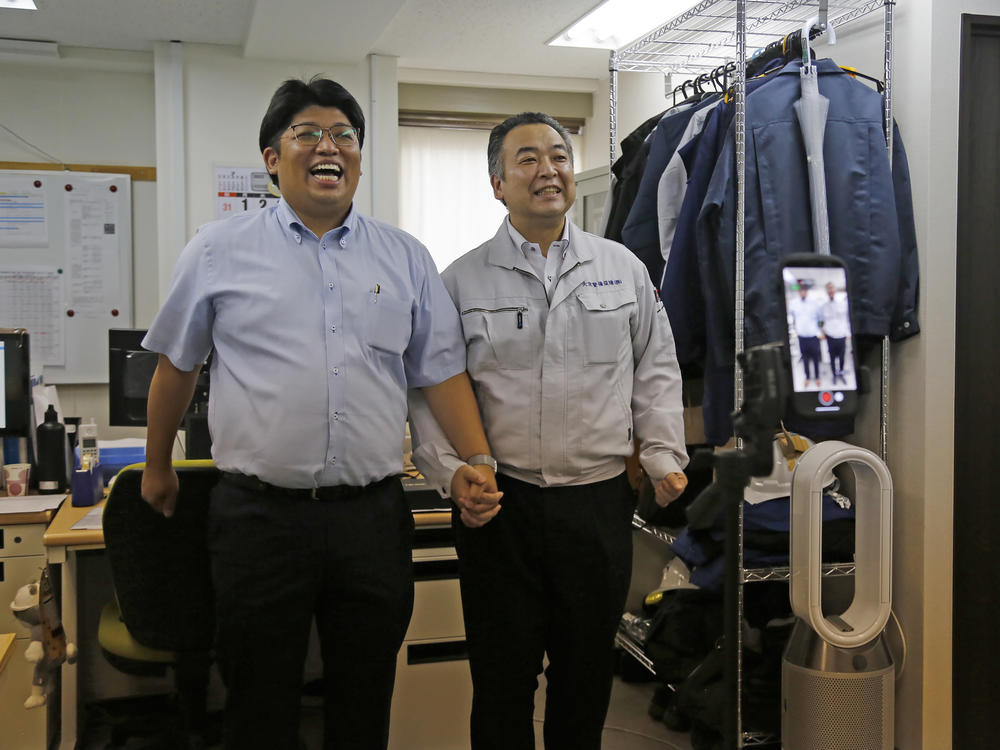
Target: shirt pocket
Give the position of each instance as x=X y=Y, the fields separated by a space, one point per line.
x=605 y=323
x=388 y=325
x=506 y=332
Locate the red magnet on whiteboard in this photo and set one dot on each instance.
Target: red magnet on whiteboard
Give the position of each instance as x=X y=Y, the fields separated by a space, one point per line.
x=68 y=188
x=70 y=313
x=38 y=183
x=114 y=312
x=113 y=188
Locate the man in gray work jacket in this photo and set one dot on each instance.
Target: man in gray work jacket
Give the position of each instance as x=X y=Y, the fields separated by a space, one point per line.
x=572 y=360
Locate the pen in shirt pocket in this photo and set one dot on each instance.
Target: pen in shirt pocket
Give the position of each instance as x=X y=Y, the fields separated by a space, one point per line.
x=375 y=291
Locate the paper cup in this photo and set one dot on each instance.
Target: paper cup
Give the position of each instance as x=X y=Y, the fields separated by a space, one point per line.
x=15 y=478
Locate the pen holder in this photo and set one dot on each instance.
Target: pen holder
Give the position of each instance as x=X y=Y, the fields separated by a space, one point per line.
x=86 y=486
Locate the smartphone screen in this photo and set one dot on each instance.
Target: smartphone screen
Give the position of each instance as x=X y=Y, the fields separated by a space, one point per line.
x=820 y=341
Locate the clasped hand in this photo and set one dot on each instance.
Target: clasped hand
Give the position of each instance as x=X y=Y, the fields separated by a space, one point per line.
x=474 y=491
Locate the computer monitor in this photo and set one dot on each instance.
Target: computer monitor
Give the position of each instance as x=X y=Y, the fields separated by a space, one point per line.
x=15 y=383
x=130 y=372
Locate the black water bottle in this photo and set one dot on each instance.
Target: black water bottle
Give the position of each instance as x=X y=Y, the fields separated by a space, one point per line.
x=51 y=471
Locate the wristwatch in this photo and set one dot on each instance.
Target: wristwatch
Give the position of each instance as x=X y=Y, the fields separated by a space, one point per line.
x=482 y=458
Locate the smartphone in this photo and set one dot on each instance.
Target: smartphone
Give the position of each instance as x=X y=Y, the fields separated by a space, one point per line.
x=820 y=351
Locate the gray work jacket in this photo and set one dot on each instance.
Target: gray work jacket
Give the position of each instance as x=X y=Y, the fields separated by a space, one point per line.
x=563 y=384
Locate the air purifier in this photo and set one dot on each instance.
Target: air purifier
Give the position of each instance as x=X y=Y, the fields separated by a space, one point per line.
x=837 y=675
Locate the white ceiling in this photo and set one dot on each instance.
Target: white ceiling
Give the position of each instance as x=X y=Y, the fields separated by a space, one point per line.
x=491 y=36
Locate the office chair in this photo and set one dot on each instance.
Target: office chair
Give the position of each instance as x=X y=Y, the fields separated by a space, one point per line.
x=163 y=613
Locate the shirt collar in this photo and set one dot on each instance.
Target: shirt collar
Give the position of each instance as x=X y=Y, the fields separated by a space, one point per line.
x=526 y=247
x=291 y=220
x=506 y=253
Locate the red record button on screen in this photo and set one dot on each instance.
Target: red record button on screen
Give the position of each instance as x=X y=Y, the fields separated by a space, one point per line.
x=825 y=398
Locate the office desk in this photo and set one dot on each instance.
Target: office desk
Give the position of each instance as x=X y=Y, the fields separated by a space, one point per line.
x=22 y=557
x=62 y=542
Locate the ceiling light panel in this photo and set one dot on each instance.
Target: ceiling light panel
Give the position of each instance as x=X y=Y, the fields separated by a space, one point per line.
x=615 y=23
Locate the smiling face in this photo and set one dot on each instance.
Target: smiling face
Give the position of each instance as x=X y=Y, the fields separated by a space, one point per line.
x=538 y=184
x=317 y=181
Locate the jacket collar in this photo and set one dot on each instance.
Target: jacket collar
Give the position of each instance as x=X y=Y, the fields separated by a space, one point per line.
x=505 y=254
x=823 y=65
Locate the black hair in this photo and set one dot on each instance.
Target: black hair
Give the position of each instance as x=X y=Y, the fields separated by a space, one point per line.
x=494 y=150
x=293 y=96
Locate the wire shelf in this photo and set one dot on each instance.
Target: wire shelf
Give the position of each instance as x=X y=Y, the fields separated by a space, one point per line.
x=661 y=533
x=704 y=37
x=758 y=575
x=624 y=642
x=750 y=575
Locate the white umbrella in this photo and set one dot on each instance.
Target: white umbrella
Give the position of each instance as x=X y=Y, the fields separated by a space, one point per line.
x=811 y=110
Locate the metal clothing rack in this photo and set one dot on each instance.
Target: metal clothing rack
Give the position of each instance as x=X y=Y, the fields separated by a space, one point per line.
x=698 y=41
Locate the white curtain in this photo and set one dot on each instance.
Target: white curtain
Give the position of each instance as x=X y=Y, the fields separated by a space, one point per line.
x=445 y=198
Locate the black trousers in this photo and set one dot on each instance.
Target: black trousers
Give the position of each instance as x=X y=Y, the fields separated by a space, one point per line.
x=278 y=562
x=547 y=576
x=836 y=348
x=809 y=349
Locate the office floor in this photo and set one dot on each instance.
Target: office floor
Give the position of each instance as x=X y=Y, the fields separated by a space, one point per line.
x=628 y=727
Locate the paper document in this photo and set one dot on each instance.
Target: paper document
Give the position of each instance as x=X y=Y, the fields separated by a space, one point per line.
x=30 y=504
x=93 y=520
x=23 y=212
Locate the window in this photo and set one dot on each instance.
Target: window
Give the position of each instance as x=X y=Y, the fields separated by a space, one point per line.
x=445 y=198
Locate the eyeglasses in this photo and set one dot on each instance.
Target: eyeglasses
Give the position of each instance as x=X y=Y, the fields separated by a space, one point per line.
x=310 y=135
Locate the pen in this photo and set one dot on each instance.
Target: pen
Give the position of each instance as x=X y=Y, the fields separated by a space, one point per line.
x=375 y=292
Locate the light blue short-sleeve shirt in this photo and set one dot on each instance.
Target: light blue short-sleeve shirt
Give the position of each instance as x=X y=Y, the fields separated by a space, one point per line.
x=314 y=341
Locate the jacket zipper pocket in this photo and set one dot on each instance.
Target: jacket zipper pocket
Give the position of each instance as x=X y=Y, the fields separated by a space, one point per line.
x=519 y=310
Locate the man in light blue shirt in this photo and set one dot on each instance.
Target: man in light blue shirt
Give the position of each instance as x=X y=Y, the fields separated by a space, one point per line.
x=318 y=319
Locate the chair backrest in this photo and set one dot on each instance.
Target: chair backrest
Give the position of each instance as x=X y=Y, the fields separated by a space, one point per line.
x=160 y=566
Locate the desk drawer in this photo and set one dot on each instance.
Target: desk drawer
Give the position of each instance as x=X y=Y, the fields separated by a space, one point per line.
x=21 y=539
x=437 y=610
x=14 y=573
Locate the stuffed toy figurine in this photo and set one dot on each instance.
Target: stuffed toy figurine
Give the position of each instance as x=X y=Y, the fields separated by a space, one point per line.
x=35 y=606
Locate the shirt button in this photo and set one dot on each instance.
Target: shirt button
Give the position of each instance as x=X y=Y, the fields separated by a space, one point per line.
x=298 y=238
x=332 y=461
x=333 y=329
x=324 y=246
x=603 y=305
x=335 y=417
x=331 y=285
x=343 y=243
x=335 y=370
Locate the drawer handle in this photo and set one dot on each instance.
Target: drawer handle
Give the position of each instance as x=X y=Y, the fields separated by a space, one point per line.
x=432 y=653
x=1 y=571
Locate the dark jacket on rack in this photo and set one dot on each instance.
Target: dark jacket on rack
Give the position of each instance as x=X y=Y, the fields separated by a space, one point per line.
x=871 y=229
x=681 y=286
x=641 y=231
x=865 y=226
x=627 y=170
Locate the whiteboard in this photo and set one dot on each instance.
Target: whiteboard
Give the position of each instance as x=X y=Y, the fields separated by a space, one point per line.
x=66 y=267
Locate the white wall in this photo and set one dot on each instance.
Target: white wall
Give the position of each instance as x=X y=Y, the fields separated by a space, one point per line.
x=91 y=107
x=225 y=96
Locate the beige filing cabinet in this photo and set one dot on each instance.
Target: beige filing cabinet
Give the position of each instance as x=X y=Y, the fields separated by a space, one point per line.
x=433 y=695
x=22 y=558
